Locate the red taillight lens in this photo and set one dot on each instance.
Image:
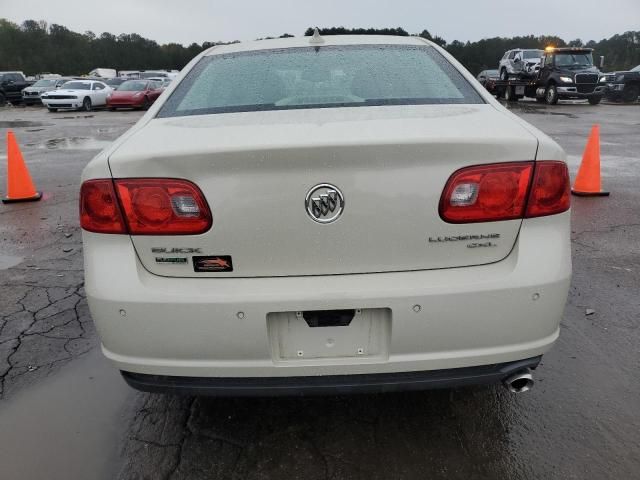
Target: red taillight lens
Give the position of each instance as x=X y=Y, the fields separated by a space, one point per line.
x=143 y=206
x=550 y=190
x=159 y=206
x=486 y=193
x=505 y=191
x=99 y=210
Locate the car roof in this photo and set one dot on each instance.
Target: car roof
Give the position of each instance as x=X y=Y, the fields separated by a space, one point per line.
x=328 y=40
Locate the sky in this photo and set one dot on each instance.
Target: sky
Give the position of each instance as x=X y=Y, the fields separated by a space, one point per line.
x=197 y=21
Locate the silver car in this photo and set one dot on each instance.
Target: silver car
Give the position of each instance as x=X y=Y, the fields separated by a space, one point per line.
x=520 y=63
x=31 y=95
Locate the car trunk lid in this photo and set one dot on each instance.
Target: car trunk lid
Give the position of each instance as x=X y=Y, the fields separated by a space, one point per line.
x=391 y=165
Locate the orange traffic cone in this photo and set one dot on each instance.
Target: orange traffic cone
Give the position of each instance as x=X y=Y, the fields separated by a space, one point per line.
x=588 y=182
x=20 y=187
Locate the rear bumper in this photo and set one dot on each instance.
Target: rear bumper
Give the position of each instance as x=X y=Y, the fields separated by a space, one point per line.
x=328 y=384
x=218 y=327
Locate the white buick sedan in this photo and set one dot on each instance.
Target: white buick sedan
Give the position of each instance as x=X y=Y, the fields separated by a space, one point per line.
x=77 y=95
x=321 y=215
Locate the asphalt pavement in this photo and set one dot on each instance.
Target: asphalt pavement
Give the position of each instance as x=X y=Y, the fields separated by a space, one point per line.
x=66 y=413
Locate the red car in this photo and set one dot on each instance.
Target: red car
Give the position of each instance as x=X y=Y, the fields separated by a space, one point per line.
x=134 y=94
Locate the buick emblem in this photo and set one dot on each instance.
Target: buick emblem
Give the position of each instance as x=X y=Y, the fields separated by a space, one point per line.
x=324 y=203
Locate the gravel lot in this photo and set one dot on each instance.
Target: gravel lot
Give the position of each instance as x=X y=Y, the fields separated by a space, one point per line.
x=65 y=412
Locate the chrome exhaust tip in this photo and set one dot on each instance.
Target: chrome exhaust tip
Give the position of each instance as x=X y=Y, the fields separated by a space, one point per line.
x=519 y=382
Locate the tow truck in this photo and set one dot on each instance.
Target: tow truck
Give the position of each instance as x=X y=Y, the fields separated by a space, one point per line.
x=565 y=73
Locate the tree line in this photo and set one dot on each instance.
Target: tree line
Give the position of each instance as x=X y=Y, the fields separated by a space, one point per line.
x=37 y=47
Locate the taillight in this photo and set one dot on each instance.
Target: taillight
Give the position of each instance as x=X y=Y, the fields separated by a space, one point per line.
x=99 y=210
x=505 y=191
x=550 y=190
x=159 y=206
x=150 y=206
x=486 y=193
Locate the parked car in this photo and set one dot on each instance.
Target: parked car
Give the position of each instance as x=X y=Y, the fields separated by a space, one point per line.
x=11 y=86
x=77 y=95
x=623 y=86
x=520 y=63
x=31 y=95
x=163 y=81
x=115 y=82
x=134 y=94
x=171 y=74
x=487 y=79
x=129 y=74
x=103 y=73
x=321 y=215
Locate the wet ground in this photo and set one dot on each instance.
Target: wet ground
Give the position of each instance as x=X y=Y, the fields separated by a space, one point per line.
x=65 y=412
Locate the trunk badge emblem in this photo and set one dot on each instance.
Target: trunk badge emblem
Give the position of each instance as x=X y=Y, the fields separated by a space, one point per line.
x=324 y=203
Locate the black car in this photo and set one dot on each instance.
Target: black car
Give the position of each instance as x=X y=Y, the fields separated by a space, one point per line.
x=623 y=86
x=488 y=78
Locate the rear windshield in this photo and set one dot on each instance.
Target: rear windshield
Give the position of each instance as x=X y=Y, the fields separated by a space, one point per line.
x=319 y=77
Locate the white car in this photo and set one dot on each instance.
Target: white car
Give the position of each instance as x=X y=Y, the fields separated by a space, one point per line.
x=321 y=215
x=164 y=82
x=77 y=95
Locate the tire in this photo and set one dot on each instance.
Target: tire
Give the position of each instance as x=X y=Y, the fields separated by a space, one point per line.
x=510 y=94
x=3 y=100
x=146 y=103
x=112 y=109
x=630 y=93
x=595 y=100
x=52 y=110
x=504 y=75
x=86 y=105
x=551 y=94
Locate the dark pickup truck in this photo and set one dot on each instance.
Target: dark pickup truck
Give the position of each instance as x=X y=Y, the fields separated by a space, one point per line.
x=11 y=85
x=623 y=86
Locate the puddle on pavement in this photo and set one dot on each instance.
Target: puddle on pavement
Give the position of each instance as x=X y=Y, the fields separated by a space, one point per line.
x=8 y=261
x=70 y=425
x=21 y=124
x=73 y=143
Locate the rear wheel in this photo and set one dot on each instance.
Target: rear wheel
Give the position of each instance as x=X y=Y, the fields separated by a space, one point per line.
x=595 y=100
x=551 y=95
x=630 y=93
x=86 y=104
